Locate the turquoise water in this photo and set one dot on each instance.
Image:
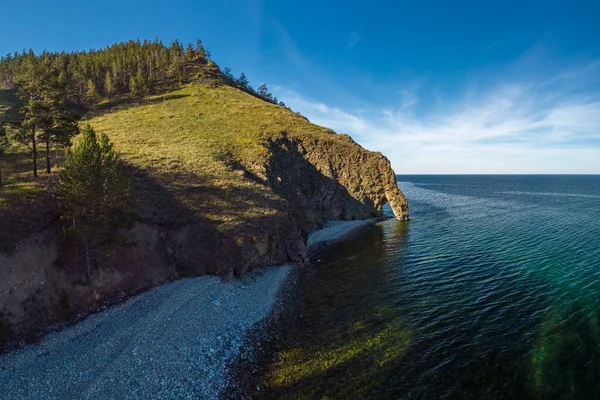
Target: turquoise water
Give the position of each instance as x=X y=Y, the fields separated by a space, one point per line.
x=491 y=291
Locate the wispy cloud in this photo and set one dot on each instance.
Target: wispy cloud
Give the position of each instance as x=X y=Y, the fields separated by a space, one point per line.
x=511 y=127
x=491 y=46
x=353 y=39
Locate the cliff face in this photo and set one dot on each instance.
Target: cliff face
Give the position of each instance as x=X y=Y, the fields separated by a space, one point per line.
x=202 y=210
x=317 y=180
x=331 y=178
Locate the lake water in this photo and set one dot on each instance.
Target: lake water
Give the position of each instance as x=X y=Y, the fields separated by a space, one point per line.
x=491 y=291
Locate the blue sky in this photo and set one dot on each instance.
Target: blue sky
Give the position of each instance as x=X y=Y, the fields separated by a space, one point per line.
x=438 y=86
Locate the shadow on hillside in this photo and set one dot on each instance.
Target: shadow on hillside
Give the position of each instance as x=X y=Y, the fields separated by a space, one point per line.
x=9 y=103
x=27 y=204
x=215 y=229
x=174 y=196
x=245 y=211
x=321 y=198
x=125 y=103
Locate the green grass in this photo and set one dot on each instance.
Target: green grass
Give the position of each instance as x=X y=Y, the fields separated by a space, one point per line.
x=198 y=122
x=8 y=101
x=187 y=140
x=186 y=149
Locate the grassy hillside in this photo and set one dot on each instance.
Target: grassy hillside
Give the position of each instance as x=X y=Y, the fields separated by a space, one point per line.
x=192 y=143
x=225 y=181
x=194 y=153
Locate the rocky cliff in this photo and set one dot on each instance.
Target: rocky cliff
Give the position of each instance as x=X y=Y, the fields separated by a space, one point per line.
x=331 y=178
x=202 y=210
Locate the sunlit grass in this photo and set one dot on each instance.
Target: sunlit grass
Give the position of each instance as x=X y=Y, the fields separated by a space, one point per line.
x=181 y=140
x=190 y=151
x=19 y=186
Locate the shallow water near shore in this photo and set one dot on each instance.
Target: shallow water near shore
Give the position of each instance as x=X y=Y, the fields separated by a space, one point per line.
x=491 y=291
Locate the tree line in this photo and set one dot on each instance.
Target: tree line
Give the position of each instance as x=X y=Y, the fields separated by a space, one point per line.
x=87 y=77
x=133 y=67
x=55 y=88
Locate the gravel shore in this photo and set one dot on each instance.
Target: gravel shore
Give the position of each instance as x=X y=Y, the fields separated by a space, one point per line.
x=336 y=230
x=173 y=342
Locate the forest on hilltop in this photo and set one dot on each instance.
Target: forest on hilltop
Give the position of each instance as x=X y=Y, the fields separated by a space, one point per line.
x=134 y=67
x=54 y=89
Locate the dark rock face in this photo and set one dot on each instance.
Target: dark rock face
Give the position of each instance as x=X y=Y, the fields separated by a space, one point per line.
x=331 y=179
x=319 y=179
x=313 y=179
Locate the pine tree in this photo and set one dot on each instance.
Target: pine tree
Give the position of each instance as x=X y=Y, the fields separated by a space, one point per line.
x=35 y=120
x=64 y=128
x=4 y=143
x=243 y=81
x=137 y=85
x=34 y=114
x=263 y=92
x=109 y=86
x=190 y=53
x=133 y=86
x=44 y=117
x=94 y=191
x=201 y=51
x=62 y=79
x=91 y=92
x=228 y=75
x=62 y=124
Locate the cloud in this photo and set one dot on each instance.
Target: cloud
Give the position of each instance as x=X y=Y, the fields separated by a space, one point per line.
x=491 y=46
x=510 y=127
x=353 y=39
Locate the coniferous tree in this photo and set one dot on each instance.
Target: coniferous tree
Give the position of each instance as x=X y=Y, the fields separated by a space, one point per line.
x=94 y=191
x=35 y=120
x=109 y=86
x=140 y=83
x=91 y=92
x=34 y=115
x=228 y=75
x=190 y=53
x=133 y=86
x=243 y=81
x=263 y=92
x=43 y=114
x=201 y=50
x=88 y=76
x=61 y=126
x=64 y=128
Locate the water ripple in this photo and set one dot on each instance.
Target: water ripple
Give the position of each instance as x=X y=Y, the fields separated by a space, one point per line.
x=492 y=291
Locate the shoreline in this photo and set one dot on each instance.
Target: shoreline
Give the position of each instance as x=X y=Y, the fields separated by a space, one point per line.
x=175 y=340
x=243 y=367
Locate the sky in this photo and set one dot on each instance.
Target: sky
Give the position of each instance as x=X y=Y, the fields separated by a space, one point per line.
x=439 y=87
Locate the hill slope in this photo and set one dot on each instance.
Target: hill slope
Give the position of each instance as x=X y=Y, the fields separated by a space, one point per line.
x=245 y=167
x=225 y=182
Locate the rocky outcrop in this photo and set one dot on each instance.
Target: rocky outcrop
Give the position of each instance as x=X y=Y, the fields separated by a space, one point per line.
x=309 y=179
x=332 y=178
